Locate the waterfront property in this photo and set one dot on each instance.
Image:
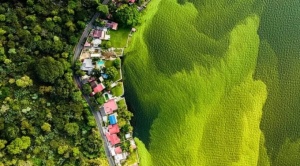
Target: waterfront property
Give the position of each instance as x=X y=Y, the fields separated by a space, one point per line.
x=102 y=67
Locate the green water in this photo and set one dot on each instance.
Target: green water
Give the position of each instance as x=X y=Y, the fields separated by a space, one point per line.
x=191 y=80
x=279 y=68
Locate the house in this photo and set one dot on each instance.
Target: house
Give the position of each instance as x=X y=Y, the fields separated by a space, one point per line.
x=118 y=150
x=112 y=119
x=110 y=106
x=113 y=129
x=128 y=135
x=114 y=26
x=96 y=42
x=93 y=84
x=119 y=158
x=113 y=139
x=98 y=88
x=97 y=55
x=87 y=65
x=131 y=1
x=97 y=33
x=87 y=44
x=85 y=79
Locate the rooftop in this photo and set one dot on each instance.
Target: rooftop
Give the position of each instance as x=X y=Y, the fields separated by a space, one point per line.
x=112 y=119
x=98 y=88
x=113 y=129
x=113 y=139
x=110 y=106
x=118 y=150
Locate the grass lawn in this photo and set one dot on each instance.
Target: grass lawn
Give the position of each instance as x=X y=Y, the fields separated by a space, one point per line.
x=118 y=90
x=118 y=38
x=118 y=76
x=109 y=64
x=121 y=103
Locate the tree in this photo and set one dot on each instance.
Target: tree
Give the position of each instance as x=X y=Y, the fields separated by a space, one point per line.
x=2 y=31
x=86 y=89
x=128 y=15
x=103 y=9
x=112 y=72
x=49 y=69
x=24 y=81
x=76 y=95
x=76 y=151
x=19 y=144
x=46 y=127
x=2 y=17
x=72 y=128
x=117 y=63
x=62 y=149
x=2 y=143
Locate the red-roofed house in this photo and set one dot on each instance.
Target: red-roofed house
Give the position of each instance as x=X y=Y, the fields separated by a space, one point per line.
x=97 y=33
x=118 y=150
x=114 y=25
x=98 y=88
x=113 y=129
x=113 y=139
x=110 y=106
x=131 y=1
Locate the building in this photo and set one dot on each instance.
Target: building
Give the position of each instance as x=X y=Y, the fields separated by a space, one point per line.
x=118 y=150
x=113 y=139
x=87 y=65
x=96 y=42
x=114 y=26
x=113 y=129
x=98 y=88
x=110 y=106
x=85 y=79
x=112 y=119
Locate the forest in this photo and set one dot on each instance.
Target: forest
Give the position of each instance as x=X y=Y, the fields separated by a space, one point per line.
x=43 y=117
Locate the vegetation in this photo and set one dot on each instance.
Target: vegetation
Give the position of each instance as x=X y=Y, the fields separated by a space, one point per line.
x=127 y=16
x=198 y=103
x=118 y=90
x=119 y=37
x=41 y=108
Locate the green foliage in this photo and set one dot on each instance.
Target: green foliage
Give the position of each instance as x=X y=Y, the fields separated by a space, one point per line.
x=118 y=90
x=128 y=15
x=103 y=9
x=2 y=143
x=86 y=89
x=32 y=33
x=18 y=145
x=46 y=127
x=2 y=31
x=112 y=72
x=48 y=69
x=2 y=17
x=24 y=81
x=62 y=149
x=117 y=63
x=72 y=128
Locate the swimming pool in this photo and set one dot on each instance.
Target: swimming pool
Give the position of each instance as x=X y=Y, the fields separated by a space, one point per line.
x=100 y=63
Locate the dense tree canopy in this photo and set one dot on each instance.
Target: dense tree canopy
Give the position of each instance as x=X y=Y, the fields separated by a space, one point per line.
x=128 y=15
x=48 y=69
x=39 y=100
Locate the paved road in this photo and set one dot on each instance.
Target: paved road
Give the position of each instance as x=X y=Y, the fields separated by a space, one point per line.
x=99 y=125
x=96 y=113
x=85 y=33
